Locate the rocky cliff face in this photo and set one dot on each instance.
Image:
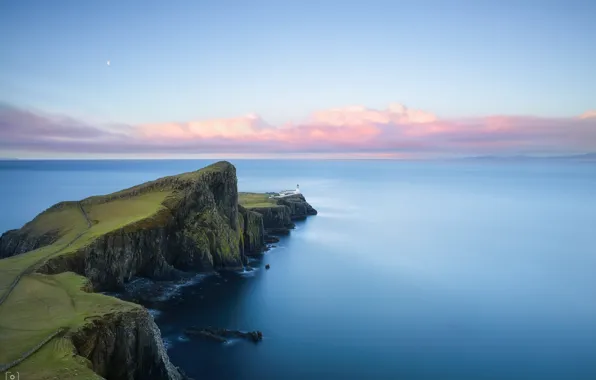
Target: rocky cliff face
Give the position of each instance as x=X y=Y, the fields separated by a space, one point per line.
x=115 y=258
x=15 y=242
x=279 y=219
x=30 y=236
x=253 y=231
x=125 y=346
x=299 y=207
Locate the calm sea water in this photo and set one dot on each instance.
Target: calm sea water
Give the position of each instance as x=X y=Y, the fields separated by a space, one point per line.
x=453 y=270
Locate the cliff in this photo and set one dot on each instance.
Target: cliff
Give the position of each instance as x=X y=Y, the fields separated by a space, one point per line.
x=278 y=214
x=254 y=231
x=125 y=345
x=161 y=229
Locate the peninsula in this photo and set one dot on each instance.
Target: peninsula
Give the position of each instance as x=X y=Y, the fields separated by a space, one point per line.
x=53 y=324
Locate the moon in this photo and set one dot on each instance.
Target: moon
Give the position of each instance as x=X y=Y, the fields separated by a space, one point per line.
x=108 y=63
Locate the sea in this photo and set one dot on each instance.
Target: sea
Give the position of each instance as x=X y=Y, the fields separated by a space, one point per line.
x=447 y=270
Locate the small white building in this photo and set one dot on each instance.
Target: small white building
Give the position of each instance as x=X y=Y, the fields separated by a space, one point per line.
x=287 y=193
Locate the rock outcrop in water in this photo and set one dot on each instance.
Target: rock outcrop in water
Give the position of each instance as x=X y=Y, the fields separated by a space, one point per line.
x=222 y=335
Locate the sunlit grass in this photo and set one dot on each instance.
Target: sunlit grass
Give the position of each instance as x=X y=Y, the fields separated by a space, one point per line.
x=256 y=200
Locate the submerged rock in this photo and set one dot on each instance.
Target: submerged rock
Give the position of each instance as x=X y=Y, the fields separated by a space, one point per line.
x=267 y=266
x=222 y=335
x=279 y=230
x=271 y=239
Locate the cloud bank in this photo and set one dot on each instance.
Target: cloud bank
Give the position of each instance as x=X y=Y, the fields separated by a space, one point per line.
x=397 y=131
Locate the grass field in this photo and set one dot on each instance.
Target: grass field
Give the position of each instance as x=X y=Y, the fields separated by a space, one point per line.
x=256 y=200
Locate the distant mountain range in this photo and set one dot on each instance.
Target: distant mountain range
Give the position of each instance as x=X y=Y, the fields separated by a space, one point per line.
x=575 y=157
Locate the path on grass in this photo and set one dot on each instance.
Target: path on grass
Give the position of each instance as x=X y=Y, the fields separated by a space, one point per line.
x=30 y=269
x=22 y=357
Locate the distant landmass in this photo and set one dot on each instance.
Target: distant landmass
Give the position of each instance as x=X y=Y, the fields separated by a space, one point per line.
x=575 y=157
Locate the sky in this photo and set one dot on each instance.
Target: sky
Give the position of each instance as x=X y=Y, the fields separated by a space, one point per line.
x=392 y=79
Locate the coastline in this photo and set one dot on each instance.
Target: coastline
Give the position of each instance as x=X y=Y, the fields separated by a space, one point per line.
x=216 y=228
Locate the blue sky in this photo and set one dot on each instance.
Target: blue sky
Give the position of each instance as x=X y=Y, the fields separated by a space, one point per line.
x=193 y=60
x=185 y=60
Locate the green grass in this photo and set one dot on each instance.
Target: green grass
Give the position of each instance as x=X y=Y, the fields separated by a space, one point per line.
x=256 y=200
x=11 y=267
x=55 y=360
x=42 y=304
x=121 y=213
x=60 y=220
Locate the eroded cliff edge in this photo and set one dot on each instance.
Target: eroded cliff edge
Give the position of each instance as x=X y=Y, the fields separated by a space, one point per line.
x=160 y=230
x=278 y=214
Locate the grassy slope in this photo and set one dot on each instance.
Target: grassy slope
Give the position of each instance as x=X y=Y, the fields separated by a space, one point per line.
x=256 y=200
x=39 y=306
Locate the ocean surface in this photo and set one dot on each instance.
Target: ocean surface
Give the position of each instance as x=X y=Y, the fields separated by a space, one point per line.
x=412 y=270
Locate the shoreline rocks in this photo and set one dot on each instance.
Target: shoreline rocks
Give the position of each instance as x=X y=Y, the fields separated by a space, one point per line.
x=269 y=239
x=222 y=335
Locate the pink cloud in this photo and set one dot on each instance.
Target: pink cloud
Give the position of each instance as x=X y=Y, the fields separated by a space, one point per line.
x=395 y=113
x=393 y=132
x=588 y=114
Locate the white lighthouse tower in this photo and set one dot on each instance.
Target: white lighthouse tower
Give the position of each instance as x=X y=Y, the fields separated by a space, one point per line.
x=297 y=189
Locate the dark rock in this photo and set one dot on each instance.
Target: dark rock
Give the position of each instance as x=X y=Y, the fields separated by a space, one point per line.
x=222 y=335
x=125 y=346
x=253 y=231
x=271 y=239
x=279 y=231
x=276 y=218
x=267 y=266
x=15 y=242
x=279 y=220
x=299 y=207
